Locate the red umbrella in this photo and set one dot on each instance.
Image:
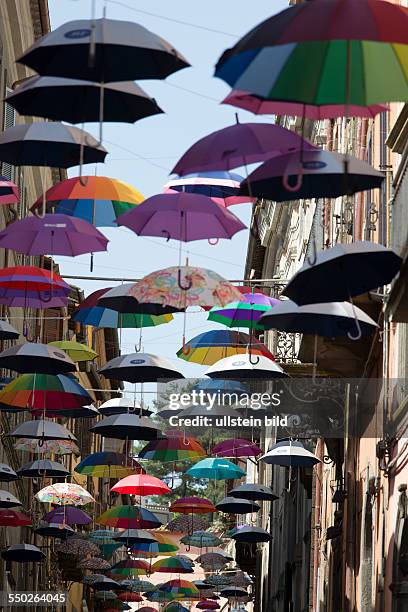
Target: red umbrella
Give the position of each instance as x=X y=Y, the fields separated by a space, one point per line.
x=13 y=518
x=141 y=484
x=129 y=596
x=193 y=505
x=207 y=605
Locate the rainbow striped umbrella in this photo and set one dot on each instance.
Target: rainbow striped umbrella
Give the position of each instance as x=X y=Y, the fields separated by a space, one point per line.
x=243 y=314
x=180 y=588
x=131 y=567
x=193 y=505
x=129 y=517
x=175 y=447
x=165 y=545
x=29 y=286
x=173 y=565
x=108 y=465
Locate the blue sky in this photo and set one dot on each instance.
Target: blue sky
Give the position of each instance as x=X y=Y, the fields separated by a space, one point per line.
x=144 y=153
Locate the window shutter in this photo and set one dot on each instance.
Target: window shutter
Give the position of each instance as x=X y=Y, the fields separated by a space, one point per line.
x=8 y=170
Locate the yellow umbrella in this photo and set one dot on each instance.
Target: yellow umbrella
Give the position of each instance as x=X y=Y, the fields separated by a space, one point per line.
x=76 y=350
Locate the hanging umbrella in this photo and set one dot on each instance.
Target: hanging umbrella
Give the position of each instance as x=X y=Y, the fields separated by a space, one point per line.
x=234 y=505
x=182 y=216
x=239 y=145
x=126 y=596
x=77 y=546
x=98 y=316
x=23 y=553
x=32 y=287
x=150 y=609
x=289 y=454
x=108 y=464
x=183 y=524
x=309 y=43
x=7 y=500
x=50 y=144
x=201 y=539
x=77 y=101
x=136 y=585
x=139 y=367
x=54 y=530
x=129 y=517
x=236 y=447
x=41 y=431
x=52 y=234
x=103 y=583
x=250 y=535
x=9 y=192
x=257 y=492
x=64 y=494
x=135 y=567
x=216 y=469
x=222 y=186
x=81 y=412
x=173 y=565
x=127 y=427
x=134 y=536
x=233 y=592
x=67 y=515
x=242 y=366
x=180 y=588
x=321 y=174
x=192 y=505
x=202 y=585
x=104 y=541
x=7 y=331
x=164 y=546
x=209 y=347
x=94 y=564
x=7 y=474
x=219 y=387
x=36 y=357
x=77 y=351
x=43 y=468
x=344 y=271
x=13 y=518
x=103 y=594
x=184 y=286
x=121 y=299
x=213 y=560
x=122 y=405
x=142 y=485
x=174 y=447
x=207 y=605
x=123 y=51
x=174 y=606
x=160 y=596
x=245 y=313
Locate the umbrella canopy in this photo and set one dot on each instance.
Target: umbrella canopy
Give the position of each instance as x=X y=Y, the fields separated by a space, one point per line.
x=139 y=367
x=184 y=286
x=108 y=464
x=254 y=492
x=216 y=469
x=150 y=609
x=43 y=468
x=173 y=606
x=135 y=567
x=128 y=596
x=122 y=405
x=58 y=447
x=23 y=553
x=41 y=430
x=329 y=319
x=342 y=272
x=289 y=454
x=219 y=387
x=175 y=447
x=234 y=505
x=54 y=530
x=124 y=51
x=251 y=535
x=77 y=351
x=201 y=539
x=142 y=485
x=186 y=524
x=213 y=560
x=192 y=505
x=96 y=316
x=137 y=585
x=9 y=192
x=77 y=546
x=64 y=494
x=36 y=357
x=56 y=145
x=134 y=536
x=239 y=145
x=308 y=44
x=29 y=286
x=129 y=517
x=207 y=605
x=52 y=234
x=7 y=474
x=7 y=500
x=7 y=331
x=209 y=347
x=67 y=515
x=222 y=186
x=241 y=366
x=321 y=174
x=172 y=565
x=77 y=101
x=245 y=313
x=121 y=299
x=181 y=588
x=94 y=563
x=13 y=518
x=236 y=447
x=182 y=216
x=103 y=583
x=233 y=592
x=165 y=545
x=127 y=427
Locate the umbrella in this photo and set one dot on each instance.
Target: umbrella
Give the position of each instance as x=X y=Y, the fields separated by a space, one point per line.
x=289 y=454
x=328 y=319
x=43 y=468
x=81 y=412
x=122 y=405
x=94 y=563
x=250 y=535
x=184 y=286
x=77 y=101
x=174 y=447
x=245 y=313
x=29 y=286
x=41 y=431
x=103 y=538
x=99 y=200
x=254 y=492
x=64 y=494
x=222 y=186
x=234 y=592
x=77 y=546
x=173 y=565
x=239 y=145
x=7 y=474
x=103 y=583
x=137 y=585
x=52 y=234
x=174 y=606
x=97 y=316
x=58 y=447
x=121 y=299
x=126 y=596
x=236 y=447
x=160 y=596
x=54 y=530
x=36 y=357
x=165 y=545
x=192 y=505
x=182 y=216
x=139 y=367
x=342 y=272
x=67 y=515
x=134 y=536
x=201 y=539
x=103 y=594
x=127 y=427
x=321 y=174
x=77 y=351
x=123 y=51
x=216 y=469
x=220 y=387
x=7 y=500
x=308 y=44
x=23 y=553
x=135 y=567
x=234 y=505
x=213 y=560
x=108 y=464
x=241 y=366
x=150 y=609
x=209 y=347
x=183 y=524
x=13 y=518
x=7 y=331
x=129 y=517
x=51 y=144
x=9 y=192
x=180 y=588
x=142 y=485
x=207 y=605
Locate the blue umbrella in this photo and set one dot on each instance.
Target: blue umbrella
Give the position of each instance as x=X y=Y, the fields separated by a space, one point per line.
x=216 y=469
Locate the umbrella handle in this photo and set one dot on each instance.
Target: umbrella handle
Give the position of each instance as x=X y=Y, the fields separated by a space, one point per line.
x=166 y=234
x=297 y=185
x=358 y=328
x=41 y=442
x=184 y=287
x=26 y=333
x=186 y=348
x=213 y=241
x=256 y=357
x=44 y=299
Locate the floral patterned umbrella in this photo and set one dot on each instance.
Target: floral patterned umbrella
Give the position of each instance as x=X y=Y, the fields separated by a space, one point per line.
x=94 y=563
x=65 y=494
x=58 y=447
x=184 y=524
x=78 y=547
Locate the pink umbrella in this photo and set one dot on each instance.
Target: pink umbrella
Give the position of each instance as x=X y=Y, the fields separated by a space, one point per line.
x=9 y=193
x=239 y=145
x=263 y=106
x=236 y=448
x=181 y=216
x=222 y=186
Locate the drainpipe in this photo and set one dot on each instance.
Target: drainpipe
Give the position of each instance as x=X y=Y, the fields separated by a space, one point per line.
x=314 y=603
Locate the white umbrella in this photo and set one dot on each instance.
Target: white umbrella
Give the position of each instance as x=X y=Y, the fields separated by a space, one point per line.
x=241 y=366
x=289 y=454
x=140 y=367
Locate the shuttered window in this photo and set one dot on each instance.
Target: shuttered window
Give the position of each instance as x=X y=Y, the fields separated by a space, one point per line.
x=8 y=170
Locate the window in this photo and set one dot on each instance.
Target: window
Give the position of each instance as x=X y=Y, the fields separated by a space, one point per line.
x=8 y=170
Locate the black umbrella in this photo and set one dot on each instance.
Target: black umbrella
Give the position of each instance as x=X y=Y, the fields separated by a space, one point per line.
x=120 y=298
x=7 y=331
x=36 y=357
x=233 y=591
x=342 y=272
x=235 y=505
x=23 y=553
x=134 y=536
x=202 y=584
x=251 y=535
x=41 y=429
x=78 y=101
x=166 y=413
x=127 y=427
x=7 y=500
x=54 y=530
x=215 y=411
x=254 y=491
x=140 y=367
x=7 y=474
x=103 y=583
x=80 y=412
x=104 y=50
x=43 y=467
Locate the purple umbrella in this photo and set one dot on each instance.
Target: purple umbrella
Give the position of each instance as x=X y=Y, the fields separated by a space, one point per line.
x=14 y=298
x=181 y=216
x=53 y=234
x=239 y=145
x=243 y=314
x=67 y=515
x=236 y=447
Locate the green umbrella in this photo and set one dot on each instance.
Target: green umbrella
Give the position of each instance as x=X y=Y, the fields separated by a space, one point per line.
x=243 y=314
x=216 y=469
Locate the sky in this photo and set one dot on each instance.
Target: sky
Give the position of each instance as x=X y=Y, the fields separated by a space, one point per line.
x=144 y=153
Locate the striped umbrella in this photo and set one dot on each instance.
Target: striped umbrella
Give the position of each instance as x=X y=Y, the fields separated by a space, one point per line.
x=243 y=314
x=108 y=464
x=165 y=545
x=180 y=588
x=30 y=286
x=201 y=539
x=176 y=446
x=131 y=567
x=129 y=517
x=172 y=565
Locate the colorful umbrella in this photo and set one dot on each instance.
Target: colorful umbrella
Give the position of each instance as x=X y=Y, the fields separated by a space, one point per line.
x=67 y=515
x=220 y=186
x=142 y=485
x=108 y=464
x=13 y=518
x=174 y=447
x=140 y=367
x=36 y=357
x=103 y=538
x=216 y=469
x=29 y=286
x=64 y=494
x=9 y=192
x=129 y=517
x=192 y=505
x=182 y=216
x=160 y=596
x=135 y=567
x=209 y=347
x=172 y=565
x=236 y=447
x=165 y=545
x=245 y=313
x=77 y=352
x=180 y=588
x=201 y=539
